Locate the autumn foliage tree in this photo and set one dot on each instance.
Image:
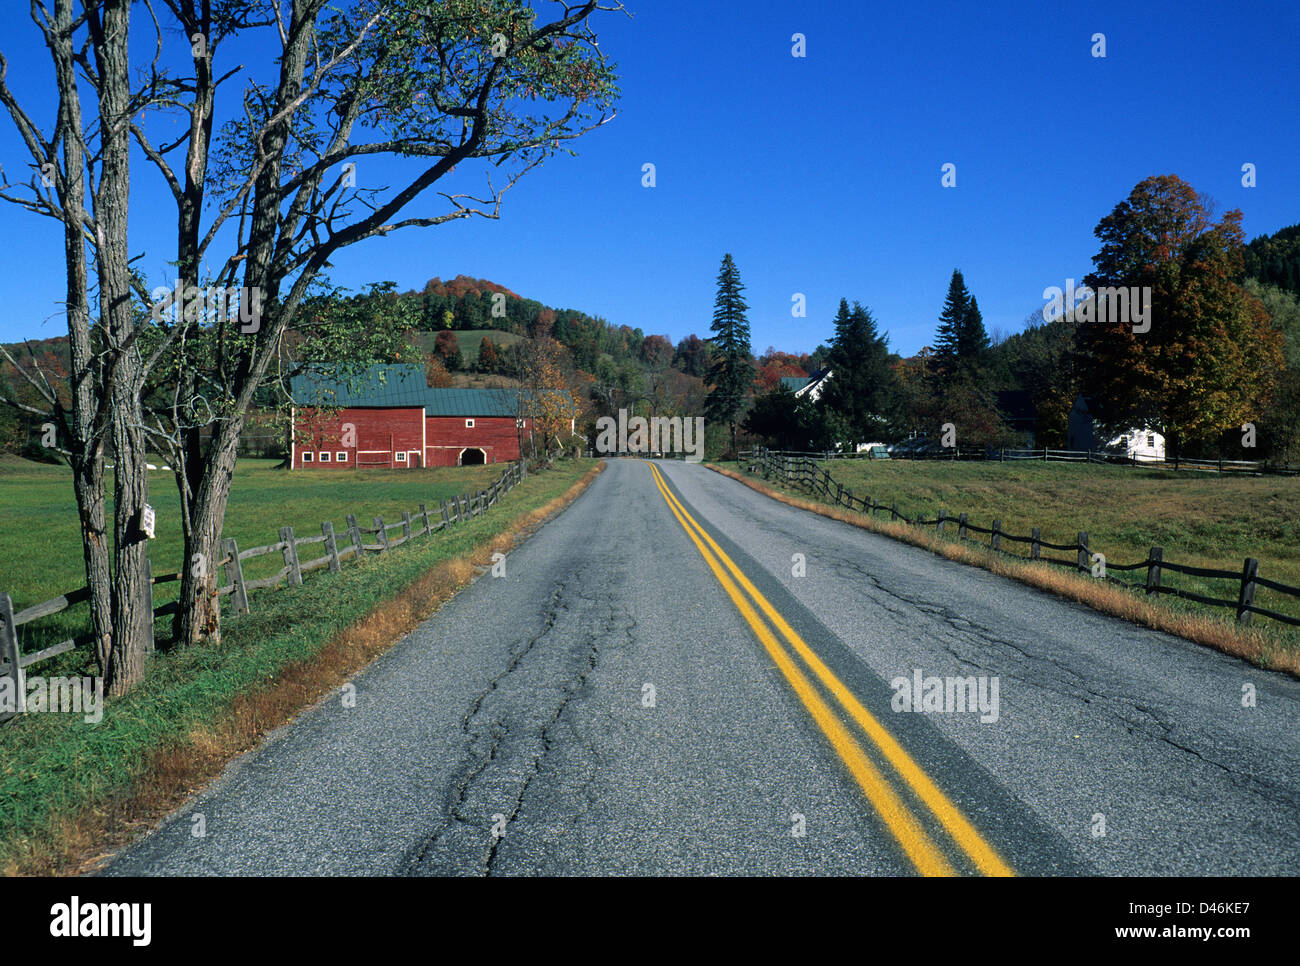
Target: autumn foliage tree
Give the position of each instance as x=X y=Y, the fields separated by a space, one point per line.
x=447 y=348
x=548 y=395
x=488 y=360
x=1210 y=356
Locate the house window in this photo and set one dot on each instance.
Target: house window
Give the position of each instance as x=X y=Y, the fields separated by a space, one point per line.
x=341 y=456
x=325 y=456
x=1123 y=441
x=401 y=457
x=519 y=424
x=469 y=424
x=308 y=457
x=1151 y=441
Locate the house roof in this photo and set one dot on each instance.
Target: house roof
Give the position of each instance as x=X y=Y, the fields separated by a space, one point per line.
x=399 y=386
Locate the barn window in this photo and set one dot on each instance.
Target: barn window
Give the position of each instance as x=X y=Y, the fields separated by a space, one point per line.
x=325 y=456
x=341 y=456
x=308 y=457
x=469 y=424
x=401 y=457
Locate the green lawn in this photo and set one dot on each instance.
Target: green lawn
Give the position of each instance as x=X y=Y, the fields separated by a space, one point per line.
x=54 y=765
x=1198 y=519
x=40 y=543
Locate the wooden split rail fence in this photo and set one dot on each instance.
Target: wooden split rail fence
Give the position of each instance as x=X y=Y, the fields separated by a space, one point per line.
x=378 y=538
x=804 y=473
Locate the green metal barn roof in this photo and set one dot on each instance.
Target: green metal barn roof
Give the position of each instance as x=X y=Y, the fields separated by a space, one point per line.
x=400 y=386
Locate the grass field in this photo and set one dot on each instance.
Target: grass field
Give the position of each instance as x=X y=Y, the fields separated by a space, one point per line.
x=469 y=341
x=40 y=543
x=68 y=788
x=1197 y=519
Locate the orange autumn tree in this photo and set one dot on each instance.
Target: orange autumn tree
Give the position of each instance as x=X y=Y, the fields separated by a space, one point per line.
x=1210 y=356
x=548 y=398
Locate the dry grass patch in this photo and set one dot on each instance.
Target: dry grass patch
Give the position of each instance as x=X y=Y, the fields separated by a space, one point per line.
x=1249 y=643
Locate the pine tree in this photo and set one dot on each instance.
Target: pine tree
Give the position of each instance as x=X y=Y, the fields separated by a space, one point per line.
x=952 y=322
x=860 y=387
x=973 y=341
x=730 y=375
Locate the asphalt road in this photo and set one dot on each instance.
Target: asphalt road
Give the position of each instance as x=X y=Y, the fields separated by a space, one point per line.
x=620 y=702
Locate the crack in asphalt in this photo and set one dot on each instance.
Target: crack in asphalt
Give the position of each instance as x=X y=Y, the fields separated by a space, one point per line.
x=962 y=638
x=487 y=732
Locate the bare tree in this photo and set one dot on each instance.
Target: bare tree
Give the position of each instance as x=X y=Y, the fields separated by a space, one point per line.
x=276 y=188
x=82 y=162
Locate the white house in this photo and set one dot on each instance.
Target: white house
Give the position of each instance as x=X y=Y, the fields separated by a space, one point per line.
x=806 y=386
x=1140 y=444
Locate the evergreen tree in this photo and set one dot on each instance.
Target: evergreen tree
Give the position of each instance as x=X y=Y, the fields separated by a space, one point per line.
x=730 y=375
x=861 y=385
x=972 y=341
x=952 y=322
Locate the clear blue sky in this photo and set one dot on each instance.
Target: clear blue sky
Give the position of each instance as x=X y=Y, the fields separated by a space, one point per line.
x=822 y=175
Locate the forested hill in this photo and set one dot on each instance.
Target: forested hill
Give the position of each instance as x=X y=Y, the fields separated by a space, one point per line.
x=1275 y=259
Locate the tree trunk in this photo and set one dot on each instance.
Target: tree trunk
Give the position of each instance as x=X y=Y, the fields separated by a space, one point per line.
x=132 y=621
x=85 y=442
x=198 y=614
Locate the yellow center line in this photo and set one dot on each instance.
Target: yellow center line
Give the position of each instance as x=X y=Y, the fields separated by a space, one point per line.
x=983 y=854
x=902 y=824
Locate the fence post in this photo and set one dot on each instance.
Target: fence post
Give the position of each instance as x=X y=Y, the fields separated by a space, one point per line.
x=1002 y=454
x=354 y=534
x=1153 y=569
x=961 y=527
x=446 y=517
x=424 y=516
x=1085 y=560
x=235 y=576
x=331 y=545
x=1247 y=595
x=148 y=584
x=1035 y=544
x=893 y=511
x=995 y=538
x=291 y=556
x=383 y=534
x=9 y=651
x=406 y=525
x=943 y=518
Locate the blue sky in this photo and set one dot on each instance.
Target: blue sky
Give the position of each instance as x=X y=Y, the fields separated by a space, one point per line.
x=821 y=175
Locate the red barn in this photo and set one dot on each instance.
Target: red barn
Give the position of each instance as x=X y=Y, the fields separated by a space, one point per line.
x=389 y=417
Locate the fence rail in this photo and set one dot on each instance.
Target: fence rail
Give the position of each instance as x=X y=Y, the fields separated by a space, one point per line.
x=800 y=470
x=422 y=522
x=1094 y=456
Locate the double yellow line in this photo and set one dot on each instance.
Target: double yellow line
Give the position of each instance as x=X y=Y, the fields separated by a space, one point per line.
x=898 y=817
